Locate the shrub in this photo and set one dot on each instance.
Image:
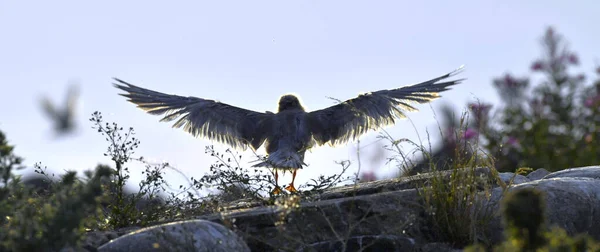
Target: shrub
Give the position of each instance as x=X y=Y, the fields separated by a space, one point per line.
x=553 y=125
x=31 y=222
x=454 y=184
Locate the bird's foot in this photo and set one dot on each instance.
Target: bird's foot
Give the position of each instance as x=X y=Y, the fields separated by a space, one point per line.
x=276 y=190
x=291 y=188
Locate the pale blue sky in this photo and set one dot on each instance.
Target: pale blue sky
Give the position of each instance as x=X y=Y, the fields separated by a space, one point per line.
x=248 y=53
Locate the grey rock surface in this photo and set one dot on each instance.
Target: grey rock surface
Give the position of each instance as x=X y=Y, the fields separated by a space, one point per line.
x=391 y=243
x=538 y=174
x=581 y=172
x=571 y=203
x=438 y=247
x=394 y=184
x=270 y=228
x=516 y=179
x=192 y=235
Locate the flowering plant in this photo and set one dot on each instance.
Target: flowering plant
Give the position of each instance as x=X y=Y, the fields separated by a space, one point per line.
x=553 y=125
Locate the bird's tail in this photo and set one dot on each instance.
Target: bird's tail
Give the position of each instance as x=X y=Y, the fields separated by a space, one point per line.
x=282 y=160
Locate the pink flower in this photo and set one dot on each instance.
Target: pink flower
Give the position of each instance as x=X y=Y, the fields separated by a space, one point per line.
x=573 y=59
x=368 y=176
x=512 y=141
x=508 y=82
x=592 y=101
x=589 y=102
x=589 y=138
x=537 y=66
x=470 y=133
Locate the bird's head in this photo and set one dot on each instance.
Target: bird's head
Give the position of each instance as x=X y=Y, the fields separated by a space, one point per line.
x=289 y=102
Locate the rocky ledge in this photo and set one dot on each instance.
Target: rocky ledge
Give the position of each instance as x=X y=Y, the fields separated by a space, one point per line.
x=385 y=215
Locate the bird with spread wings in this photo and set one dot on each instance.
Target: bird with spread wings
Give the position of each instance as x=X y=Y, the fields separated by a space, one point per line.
x=291 y=131
x=64 y=116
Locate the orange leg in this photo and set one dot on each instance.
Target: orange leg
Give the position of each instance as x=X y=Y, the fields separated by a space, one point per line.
x=276 y=190
x=291 y=187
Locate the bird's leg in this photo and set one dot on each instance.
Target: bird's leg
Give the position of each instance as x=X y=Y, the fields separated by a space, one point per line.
x=276 y=190
x=291 y=187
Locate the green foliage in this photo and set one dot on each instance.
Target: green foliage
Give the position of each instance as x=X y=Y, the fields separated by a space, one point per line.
x=9 y=183
x=121 y=208
x=526 y=229
x=553 y=125
x=59 y=217
x=452 y=188
x=31 y=222
x=451 y=199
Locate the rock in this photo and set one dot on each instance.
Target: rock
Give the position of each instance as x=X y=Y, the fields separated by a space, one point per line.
x=508 y=176
x=272 y=228
x=537 y=174
x=438 y=247
x=571 y=203
x=193 y=235
x=96 y=238
x=394 y=184
x=581 y=172
x=365 y=243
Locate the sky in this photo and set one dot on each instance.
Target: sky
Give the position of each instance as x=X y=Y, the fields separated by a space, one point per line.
x=248 y=54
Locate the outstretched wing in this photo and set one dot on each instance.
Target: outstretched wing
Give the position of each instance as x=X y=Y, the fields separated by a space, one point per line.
x=214 y=120
x=72 y=97
x=48 y=107
x=350 y=119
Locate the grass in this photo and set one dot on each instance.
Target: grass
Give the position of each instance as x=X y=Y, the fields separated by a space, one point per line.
x=453 y=187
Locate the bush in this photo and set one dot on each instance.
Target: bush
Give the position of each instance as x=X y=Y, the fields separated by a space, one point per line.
x=553 y=125
x=31 y=222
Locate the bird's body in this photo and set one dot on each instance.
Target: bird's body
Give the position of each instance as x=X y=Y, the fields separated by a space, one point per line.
x=288 y=144
x=290 y=138
x=62 y=117
x=291 y=131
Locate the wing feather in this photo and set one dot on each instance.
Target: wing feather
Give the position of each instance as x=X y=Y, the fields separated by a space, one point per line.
x=214 y=120
x=350 y=119
x=49 y=107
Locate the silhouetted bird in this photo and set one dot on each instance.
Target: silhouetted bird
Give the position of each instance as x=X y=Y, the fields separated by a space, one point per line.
x=62 y=117
x=288 y=133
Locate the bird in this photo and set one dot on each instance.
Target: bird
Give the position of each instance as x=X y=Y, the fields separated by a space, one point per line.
x=62 y=117
x=291 y=131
